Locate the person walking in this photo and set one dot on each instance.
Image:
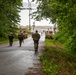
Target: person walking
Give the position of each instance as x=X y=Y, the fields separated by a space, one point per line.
x=36 y=37
x=20 y=38
x=10 y=36
x=24 y=35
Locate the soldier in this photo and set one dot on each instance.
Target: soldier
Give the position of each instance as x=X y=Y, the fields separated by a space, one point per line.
x=20 y=37
x=36 y=37
x=10 y=36
x=24 y=35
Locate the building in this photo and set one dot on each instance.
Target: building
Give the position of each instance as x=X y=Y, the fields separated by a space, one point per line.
x=42 y=28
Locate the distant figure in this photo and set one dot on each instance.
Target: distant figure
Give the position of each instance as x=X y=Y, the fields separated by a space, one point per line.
x=36 y=37
x=10 y=36
x=20 y=37
x=25 y=35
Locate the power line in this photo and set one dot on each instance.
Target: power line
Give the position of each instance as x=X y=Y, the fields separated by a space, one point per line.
x=29 y=8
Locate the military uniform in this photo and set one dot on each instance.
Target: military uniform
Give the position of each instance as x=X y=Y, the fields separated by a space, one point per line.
x=36 y=37
x=20 y=37
x=10 y=36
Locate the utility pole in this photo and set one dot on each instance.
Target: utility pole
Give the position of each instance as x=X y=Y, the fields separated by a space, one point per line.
x=29 y=8
x=33 y=25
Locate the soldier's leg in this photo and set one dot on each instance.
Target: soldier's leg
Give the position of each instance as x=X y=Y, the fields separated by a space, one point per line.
x=19 y=42
x=11 y=42
x=36 y=46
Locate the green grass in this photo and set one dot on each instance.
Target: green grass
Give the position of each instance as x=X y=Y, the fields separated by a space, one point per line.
x=56 y=60
x=4 y=41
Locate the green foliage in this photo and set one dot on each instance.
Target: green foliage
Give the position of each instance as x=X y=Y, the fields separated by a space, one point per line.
x=57 y=61
x=64 y=14
x=50 y=68
x=9 y=16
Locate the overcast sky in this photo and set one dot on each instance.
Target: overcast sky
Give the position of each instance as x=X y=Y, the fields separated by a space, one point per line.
x=25 y=15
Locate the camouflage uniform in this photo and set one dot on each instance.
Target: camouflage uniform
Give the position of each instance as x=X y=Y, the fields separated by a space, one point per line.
x=20 y=37
x=36 y=37
x=10 y=36
x=24 y=36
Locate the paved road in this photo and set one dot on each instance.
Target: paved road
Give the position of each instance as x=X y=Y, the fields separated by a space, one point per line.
x=17 y=60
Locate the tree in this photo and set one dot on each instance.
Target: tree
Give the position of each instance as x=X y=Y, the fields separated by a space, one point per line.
x=64 y=13
x=9 y=16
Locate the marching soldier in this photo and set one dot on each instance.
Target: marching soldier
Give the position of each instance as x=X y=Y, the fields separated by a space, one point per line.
x=20 y=37
x=36 y=37
x=10 y=36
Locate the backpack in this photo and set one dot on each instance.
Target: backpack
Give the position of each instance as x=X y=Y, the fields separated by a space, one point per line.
x=36 y=36
x=20 y=36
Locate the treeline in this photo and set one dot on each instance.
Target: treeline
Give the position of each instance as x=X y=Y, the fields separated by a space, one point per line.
x=62 y=12
x=9 y=16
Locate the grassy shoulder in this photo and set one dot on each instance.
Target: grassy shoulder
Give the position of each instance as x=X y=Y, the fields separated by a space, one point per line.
x=4 y=41
x=56 y=60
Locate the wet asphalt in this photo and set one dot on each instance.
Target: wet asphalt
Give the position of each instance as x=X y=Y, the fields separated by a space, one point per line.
x=17 y=60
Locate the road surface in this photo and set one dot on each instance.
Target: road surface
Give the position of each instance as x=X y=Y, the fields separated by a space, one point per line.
x=17 y=60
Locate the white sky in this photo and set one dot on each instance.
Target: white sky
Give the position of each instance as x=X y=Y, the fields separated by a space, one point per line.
x=25 y=16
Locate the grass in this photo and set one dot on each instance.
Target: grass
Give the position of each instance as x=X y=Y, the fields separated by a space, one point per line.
x=56 y=60
x=4 y=41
